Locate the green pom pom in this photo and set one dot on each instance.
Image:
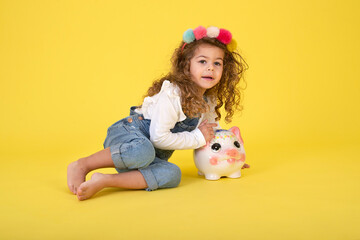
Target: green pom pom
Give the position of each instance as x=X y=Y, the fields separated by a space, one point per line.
x=188 y=36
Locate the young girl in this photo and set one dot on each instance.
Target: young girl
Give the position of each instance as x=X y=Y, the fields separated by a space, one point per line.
x=180 y=111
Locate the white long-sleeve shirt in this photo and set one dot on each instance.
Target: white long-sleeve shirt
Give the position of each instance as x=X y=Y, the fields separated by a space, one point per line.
x=164 y=109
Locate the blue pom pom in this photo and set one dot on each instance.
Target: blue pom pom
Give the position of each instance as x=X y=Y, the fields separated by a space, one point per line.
x=188 y=36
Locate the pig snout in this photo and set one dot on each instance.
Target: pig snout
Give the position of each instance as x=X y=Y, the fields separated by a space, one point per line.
x=232 y=153
x=234 y=156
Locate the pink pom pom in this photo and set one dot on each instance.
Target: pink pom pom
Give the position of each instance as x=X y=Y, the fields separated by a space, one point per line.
x=199 y=32
x=224 y=36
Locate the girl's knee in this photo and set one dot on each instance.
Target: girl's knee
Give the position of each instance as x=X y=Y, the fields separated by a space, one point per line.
x=173 y=177
x=139 y=154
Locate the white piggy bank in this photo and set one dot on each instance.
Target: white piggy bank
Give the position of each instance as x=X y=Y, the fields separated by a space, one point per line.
x=224 y=155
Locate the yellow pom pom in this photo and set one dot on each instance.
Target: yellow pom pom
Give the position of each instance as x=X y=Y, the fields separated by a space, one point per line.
x=232 y=45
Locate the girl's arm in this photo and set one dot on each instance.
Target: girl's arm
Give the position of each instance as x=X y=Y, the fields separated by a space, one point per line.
x=164 y=117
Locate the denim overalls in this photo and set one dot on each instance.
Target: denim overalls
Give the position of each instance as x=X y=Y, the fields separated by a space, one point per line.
x=131 y=149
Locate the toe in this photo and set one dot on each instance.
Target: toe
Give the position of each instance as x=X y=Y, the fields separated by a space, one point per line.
x=80 y=195
x=81 y=198
x=80 y=192
x=72 y=189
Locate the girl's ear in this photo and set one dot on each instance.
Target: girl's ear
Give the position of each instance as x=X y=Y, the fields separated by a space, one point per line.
x=237 y=133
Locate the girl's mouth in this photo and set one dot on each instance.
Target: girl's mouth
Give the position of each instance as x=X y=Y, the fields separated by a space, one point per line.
x=208 y=77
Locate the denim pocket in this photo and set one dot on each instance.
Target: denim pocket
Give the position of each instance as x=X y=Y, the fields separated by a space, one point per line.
x=144 y=127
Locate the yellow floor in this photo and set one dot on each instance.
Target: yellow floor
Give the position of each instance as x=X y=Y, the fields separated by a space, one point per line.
x=287 y=194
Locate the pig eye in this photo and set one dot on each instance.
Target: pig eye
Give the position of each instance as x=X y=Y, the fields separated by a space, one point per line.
x=215 y=147
x=237 y=144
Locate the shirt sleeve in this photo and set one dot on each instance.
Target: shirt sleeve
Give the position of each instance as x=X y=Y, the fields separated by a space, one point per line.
x=165 y=116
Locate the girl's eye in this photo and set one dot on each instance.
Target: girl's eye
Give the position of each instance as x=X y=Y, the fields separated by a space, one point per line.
x=202 y=61
x=217 y=63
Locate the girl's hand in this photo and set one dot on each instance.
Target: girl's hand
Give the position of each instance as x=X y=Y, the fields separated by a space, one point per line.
x=207 y=130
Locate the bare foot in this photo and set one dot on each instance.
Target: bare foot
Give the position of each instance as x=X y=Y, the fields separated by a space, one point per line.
x=76 y=174
x=89 y=188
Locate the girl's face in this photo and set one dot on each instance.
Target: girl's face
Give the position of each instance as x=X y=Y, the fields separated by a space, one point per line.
x=206 y=66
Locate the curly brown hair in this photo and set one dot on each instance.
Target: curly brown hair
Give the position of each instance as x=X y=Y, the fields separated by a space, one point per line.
x=227 y=91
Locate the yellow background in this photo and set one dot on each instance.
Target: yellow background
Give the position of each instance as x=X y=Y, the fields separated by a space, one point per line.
x=69 y=69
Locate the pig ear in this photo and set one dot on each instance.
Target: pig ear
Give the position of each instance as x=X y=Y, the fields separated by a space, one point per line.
x=236 y=131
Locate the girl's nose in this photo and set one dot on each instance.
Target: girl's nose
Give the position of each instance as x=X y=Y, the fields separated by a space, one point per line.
x=210 y=68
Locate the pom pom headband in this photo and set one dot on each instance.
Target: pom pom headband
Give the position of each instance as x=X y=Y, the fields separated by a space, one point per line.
x=222 y=35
